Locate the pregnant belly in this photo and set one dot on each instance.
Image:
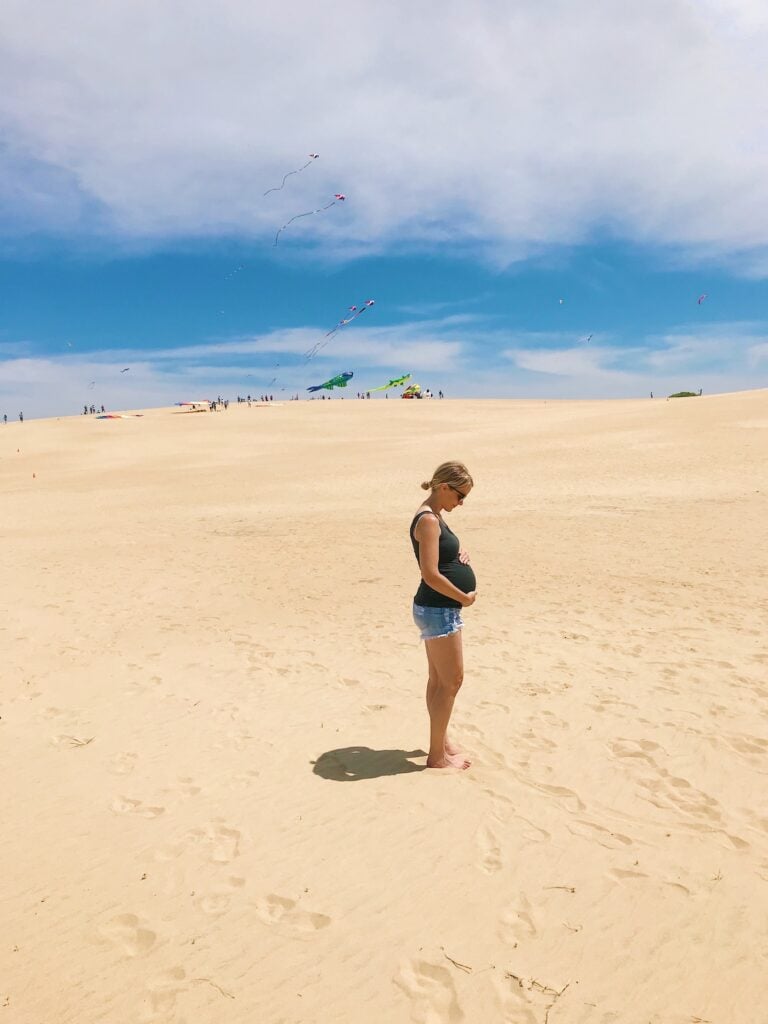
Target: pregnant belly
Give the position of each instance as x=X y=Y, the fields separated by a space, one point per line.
x=460 y=575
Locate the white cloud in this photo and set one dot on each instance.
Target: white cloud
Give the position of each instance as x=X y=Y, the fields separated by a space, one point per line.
x=567 y=362
x=495 y=125
x=758 y=354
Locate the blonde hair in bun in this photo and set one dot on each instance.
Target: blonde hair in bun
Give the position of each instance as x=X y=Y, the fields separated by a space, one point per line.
x=454 y=473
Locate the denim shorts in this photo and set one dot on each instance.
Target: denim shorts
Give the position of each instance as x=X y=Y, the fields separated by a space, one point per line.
x=435 y=622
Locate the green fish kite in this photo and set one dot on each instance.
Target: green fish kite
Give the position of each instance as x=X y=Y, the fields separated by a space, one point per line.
x=339 y=381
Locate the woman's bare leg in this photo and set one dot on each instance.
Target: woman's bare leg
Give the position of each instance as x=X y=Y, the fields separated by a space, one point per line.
x=450 y=748
x=446 y=662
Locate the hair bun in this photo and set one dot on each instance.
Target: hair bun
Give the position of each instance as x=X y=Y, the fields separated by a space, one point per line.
x=426 y=485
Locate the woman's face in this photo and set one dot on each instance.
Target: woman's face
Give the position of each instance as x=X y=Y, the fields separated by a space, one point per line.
x=455 y=495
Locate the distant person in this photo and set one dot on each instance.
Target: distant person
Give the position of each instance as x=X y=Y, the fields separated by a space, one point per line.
x=21 y=417
x=5 y=417
x=651 y=394
x=439 y=394
x=447 y=585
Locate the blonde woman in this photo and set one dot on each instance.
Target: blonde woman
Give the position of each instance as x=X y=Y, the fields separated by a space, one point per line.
x=447 y=585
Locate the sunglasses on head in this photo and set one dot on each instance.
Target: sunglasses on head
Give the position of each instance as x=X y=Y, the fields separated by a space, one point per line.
x=456 y=489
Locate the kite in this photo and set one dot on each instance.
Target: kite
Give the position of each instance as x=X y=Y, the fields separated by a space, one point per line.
x=125 y=370
x=396 y=382
x=278 y=188
x=701 y=298
x=338 y=197
x=92 y=384
x=589 y=337
x=356 y=311
x=339 y=381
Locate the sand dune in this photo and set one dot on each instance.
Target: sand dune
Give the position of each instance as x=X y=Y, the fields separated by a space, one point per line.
x=212 y=741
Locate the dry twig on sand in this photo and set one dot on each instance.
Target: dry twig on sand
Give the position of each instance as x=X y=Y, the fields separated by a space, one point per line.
x=217 y=987
x=462 y=967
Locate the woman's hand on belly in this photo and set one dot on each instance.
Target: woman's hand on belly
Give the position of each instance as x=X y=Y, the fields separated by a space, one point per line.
x=464 y=558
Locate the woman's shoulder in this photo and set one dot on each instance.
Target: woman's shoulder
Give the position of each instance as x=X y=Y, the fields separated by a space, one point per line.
x=425 y=517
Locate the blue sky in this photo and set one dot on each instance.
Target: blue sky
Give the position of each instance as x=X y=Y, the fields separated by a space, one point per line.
x=519 y=179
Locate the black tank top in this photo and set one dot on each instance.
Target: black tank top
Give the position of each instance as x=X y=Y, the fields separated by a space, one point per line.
x=448 y=565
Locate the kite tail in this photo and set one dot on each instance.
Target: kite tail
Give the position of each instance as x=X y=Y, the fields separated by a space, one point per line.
x=298 y=215
x=309 y=213
x=279 y=188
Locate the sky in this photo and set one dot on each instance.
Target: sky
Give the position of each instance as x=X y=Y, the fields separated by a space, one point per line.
x=544 y=199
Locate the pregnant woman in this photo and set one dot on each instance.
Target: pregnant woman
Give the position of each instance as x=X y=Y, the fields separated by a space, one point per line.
x=447 y=585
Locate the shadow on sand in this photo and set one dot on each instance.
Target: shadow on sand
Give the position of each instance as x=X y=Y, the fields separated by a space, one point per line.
x=350 y=764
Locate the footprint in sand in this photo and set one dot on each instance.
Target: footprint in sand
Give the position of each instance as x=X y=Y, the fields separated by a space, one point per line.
x=602 y=836
x=168 y=852
x=490 y=757
x=62 y=716
x=519 y=1003
x=570 y=800
x=162 y=993
x=490 y=850
x=185 y=787
x=124 y=805
x=219 y=900
x=279 y=910
x=137 y=686
x=624 y=875
x=531 y=832
x=747 y=744
x=516 y=923
x=223 y=842
x=129 y=934
x=431 y=992
x=244 y=779
x=493 y=706
x=123 y=764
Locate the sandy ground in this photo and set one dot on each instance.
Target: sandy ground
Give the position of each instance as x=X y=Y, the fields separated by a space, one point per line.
x=214 y=801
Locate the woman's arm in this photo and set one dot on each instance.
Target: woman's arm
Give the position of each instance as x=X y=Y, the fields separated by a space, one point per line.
x=427 y=533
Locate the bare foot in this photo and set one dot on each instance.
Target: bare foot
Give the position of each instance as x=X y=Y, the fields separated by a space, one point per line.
x=458 y=761
x=448 y=761
x=450 y=748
